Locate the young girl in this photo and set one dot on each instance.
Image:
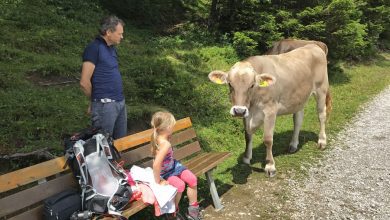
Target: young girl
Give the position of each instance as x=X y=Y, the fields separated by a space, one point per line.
x=166 y=169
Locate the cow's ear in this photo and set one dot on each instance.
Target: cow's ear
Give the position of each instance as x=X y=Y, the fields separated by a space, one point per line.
x=265 y=80
x=218 y=77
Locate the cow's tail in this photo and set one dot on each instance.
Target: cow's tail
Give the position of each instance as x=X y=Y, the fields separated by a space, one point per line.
x=328 y=103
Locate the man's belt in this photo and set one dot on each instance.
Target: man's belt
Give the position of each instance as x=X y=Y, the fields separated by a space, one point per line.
x=105 y=100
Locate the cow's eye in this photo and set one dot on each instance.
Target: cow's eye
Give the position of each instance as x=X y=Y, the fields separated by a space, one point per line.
x=252 y=86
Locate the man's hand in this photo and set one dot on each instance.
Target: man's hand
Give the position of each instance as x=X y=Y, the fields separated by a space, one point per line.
x=89 y=109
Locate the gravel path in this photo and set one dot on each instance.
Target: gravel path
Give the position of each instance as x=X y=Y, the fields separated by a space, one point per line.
x=353 y=180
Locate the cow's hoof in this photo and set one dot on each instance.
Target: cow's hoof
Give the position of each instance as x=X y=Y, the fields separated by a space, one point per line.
x=270 y=170
x=292 y=149
x=246 y=160
x=321 y=145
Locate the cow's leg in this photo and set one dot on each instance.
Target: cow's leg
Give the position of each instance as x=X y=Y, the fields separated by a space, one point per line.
x=298 y=118
x=248 y=143
x=321 y=109
x=269 y=125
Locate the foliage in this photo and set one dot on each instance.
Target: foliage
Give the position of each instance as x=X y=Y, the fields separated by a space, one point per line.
x=150 y=12
x=345 y=33
x=244 y=43
x=44 y=39
x=351 y=28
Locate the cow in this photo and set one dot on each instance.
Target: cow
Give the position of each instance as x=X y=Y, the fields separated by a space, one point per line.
x=263 y=87
x=287 y=45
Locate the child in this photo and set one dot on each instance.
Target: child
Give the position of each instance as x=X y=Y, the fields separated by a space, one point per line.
x=166 y=169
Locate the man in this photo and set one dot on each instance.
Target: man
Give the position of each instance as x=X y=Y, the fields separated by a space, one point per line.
x=101 y=80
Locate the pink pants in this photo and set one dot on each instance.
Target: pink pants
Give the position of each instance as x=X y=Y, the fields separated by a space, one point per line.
x=180 y=181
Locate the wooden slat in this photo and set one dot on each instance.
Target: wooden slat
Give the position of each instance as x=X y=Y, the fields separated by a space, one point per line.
x=33 y=214
x=195 y=160
x=183 y=136
x=134 y=208
x=211 y=161
x=140 y=153
x=148 y=163
x=186 y=150
x=135 y=155
x=30 y=174
x=144 y=136
x=36 y=194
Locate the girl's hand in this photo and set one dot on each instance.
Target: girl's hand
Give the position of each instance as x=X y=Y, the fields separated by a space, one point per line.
x=164 y=182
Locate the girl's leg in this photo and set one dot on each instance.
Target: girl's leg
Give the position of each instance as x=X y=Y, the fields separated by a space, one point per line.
x=180 y=185
x=192 y=193
x=192 y=190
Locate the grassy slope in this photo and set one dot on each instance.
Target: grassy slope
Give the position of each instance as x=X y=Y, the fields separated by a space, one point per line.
x=158 y=72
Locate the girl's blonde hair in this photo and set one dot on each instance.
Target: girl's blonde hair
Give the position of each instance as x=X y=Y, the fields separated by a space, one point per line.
x=161 y=120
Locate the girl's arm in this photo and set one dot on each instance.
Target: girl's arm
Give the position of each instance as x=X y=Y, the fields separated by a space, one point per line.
x=160 y=155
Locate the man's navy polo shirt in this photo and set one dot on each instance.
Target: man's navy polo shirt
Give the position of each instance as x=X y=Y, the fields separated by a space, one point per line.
x=106 y=79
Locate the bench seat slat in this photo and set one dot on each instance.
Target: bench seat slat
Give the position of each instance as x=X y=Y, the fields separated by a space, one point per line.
x=196 y=160
x=134 y=207
x=32 y=214
x=35 y=194
x=209 y=161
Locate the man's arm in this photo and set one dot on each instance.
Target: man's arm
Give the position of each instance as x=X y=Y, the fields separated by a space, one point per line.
x=86 y=75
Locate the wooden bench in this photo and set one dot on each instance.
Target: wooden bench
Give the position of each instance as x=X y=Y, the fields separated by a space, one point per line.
x=22 y=191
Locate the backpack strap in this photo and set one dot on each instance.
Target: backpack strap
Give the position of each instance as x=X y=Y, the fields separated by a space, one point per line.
x=78 y=149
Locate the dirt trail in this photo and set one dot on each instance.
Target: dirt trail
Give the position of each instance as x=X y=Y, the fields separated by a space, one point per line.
x=351 y=182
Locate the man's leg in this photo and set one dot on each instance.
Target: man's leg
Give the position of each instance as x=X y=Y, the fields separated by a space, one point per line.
x=120 y=128
x=104 y=115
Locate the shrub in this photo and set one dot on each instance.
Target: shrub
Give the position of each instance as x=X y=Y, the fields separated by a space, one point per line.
x=245 y=45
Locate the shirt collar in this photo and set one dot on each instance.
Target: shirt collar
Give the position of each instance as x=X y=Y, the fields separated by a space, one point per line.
x=101 y=39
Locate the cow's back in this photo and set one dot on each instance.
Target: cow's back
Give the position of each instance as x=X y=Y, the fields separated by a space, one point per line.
x=287 y=45
x=298 y=73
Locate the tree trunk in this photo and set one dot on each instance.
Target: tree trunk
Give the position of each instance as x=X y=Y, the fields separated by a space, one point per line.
x=213 y=17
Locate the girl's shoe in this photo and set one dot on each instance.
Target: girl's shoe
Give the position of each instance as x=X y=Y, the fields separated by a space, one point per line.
x=194 y=213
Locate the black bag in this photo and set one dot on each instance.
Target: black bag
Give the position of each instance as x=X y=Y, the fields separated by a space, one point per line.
x=62 y=205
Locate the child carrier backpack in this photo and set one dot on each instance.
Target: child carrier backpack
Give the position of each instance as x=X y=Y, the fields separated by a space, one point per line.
x=92 y=158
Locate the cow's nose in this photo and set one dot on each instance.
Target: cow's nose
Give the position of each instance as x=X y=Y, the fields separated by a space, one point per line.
x=239 y=111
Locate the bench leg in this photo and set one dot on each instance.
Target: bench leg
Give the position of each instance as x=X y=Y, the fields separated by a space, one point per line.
x=213 y=191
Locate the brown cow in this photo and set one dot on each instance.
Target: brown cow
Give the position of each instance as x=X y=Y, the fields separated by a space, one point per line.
x=287 y=45
x=263 y=87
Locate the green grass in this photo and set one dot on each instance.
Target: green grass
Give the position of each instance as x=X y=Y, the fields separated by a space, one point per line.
x=159 y=72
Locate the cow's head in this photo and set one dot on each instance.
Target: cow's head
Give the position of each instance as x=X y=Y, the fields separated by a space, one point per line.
x=243 y=83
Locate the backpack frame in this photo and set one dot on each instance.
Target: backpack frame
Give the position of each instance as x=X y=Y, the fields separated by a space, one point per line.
x=84 y=151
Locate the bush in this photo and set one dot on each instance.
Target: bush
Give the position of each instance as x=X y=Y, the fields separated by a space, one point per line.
x=345 y=34
x=245 y=45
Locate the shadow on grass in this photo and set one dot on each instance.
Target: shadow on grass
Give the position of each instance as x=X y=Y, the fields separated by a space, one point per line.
x=241 y=171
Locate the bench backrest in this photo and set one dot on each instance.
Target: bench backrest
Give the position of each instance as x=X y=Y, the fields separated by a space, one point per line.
x=22 y=191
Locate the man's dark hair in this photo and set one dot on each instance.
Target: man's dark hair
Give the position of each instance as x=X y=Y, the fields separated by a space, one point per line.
x=109 y=23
